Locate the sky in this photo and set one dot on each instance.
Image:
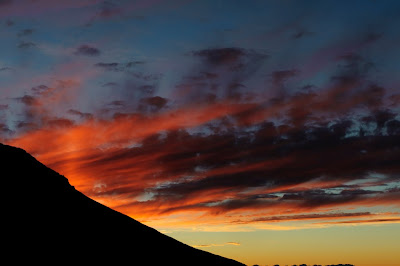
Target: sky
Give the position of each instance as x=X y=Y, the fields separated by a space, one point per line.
x=263 y=131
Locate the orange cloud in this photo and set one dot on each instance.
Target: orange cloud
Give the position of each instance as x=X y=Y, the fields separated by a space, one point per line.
x=148 y=164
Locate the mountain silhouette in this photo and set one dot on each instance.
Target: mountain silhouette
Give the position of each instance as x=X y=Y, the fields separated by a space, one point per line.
x=47 y=221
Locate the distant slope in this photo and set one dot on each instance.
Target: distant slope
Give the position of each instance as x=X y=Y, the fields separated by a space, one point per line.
x=46 y=220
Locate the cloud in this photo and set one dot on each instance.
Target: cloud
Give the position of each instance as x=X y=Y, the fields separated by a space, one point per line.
x=28 y=100
x=25 y=32
x=221 y=56
x=60 y=123
x=117 y=67
x=370 y=221
x=220 y=74
x=35 y=109
x=236 y=59
x=226 y=155
x=216 y=245
x=395 y=99
x=28 y=126
x=287 y=166
x=110 y=84
x=26 y=45
x=156 y=102
x=9 y=23
x=87 y=50
x=80 y=114
x=109 y=9
x=371 y=37
x=302 y=34
x=6 y=69
x=107 y=66
x=312 y=216
x=233 y=243
x=4 y=129
x=280 y=76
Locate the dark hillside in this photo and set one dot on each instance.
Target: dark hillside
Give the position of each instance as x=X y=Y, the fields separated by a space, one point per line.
x=47 y=221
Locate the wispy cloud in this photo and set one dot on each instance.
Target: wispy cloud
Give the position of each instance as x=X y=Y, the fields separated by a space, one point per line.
x=216 y=245
x=369 y=221
x=87 y=50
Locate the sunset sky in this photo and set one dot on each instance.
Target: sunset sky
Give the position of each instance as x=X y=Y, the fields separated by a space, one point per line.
x=264 y=131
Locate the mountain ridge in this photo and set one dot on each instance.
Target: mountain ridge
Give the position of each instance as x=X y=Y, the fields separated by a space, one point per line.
x=47 y=220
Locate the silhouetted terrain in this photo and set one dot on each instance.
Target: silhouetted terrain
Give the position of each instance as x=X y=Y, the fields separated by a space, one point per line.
x=47 y=221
